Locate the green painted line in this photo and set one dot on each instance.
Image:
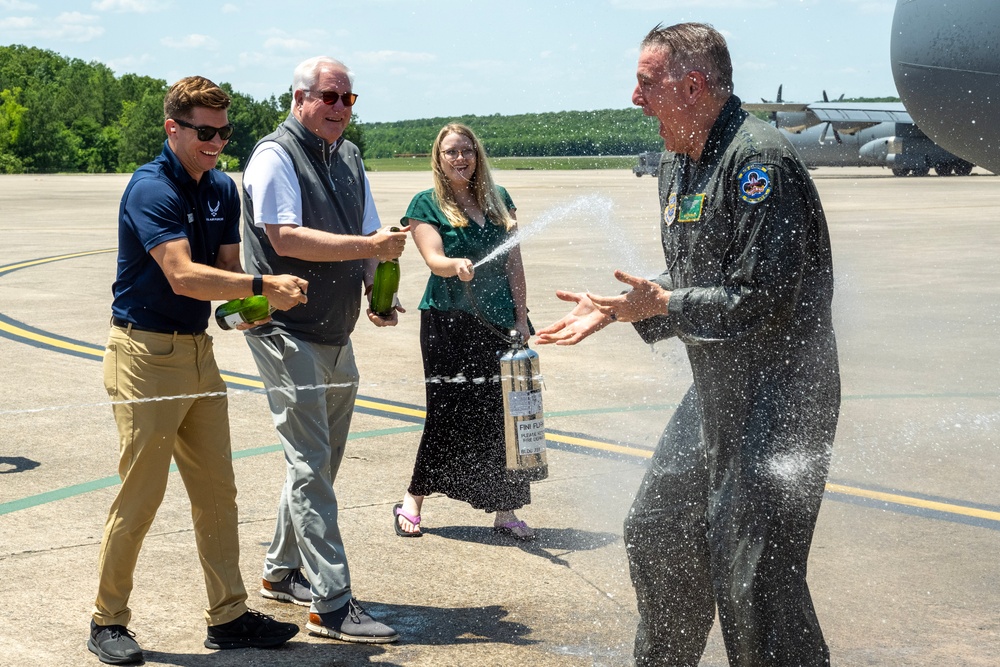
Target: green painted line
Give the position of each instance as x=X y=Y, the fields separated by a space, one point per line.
x=107 y=482
x=599 y=411
x=58 y=494
x=882 y=397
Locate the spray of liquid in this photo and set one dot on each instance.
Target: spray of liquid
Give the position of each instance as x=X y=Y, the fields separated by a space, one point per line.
x=595 y=210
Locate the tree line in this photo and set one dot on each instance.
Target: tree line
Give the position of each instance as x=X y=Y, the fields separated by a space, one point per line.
x=604 y=132
x=61 y=114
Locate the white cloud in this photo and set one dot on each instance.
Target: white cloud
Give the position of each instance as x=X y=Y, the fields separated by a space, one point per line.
x=17 y=5
x=230 y=8
x=17 y=23
x=137 y=6
x=67 y=27
x=285 y=44
x=131 y=63
x=193 y=41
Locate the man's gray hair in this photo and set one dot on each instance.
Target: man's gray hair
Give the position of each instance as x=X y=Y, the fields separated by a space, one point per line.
x=307 y=73
x=695 y=46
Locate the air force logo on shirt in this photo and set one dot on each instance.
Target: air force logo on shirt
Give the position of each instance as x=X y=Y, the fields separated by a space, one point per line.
x=213 y=211
x=754 y=183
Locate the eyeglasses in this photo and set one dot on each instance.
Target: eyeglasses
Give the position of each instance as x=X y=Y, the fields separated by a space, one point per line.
x=330 y=97
x=467 y=153
x=207 y=132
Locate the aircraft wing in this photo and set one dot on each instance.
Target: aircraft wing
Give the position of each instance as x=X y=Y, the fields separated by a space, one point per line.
x=847 y=117
x=860 y=112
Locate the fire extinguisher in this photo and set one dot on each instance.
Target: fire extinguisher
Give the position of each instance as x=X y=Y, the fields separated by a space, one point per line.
x=524 y=422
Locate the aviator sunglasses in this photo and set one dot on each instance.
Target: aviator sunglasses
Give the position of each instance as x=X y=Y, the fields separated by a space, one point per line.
x=330 y=97
x=206 y=132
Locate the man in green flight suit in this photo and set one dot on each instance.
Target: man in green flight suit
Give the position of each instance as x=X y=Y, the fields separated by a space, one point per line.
x=724 y=517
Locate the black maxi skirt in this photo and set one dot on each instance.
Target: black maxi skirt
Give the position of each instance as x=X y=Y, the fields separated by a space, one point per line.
x=462 y=452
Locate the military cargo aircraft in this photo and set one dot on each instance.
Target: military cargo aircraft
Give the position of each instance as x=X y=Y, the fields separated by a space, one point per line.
x=946 y=64
x=843 y=134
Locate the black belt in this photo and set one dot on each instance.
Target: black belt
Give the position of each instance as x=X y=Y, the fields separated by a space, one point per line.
x=125 y=324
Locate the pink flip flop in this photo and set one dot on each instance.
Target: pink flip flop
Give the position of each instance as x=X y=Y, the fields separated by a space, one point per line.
x=510 y=528
x=397 y=512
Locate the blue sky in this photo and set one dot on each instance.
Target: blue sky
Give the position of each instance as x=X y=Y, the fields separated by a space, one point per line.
x=429 y=58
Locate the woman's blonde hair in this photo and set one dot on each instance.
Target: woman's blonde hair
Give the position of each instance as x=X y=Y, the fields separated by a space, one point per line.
x=487 y=197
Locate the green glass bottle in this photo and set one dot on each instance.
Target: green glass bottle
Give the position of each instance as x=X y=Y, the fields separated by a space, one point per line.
x=385 y=286
x=231 y=314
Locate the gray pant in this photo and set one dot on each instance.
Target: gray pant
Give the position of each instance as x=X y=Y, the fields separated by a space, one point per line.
x=312 y=425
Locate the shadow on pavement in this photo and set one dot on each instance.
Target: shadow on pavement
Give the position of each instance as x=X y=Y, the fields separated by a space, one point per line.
x=418 y=625
x=546 y=540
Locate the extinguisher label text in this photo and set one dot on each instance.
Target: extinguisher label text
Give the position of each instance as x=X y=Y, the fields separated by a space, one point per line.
x=525 y=403
x=531 y=436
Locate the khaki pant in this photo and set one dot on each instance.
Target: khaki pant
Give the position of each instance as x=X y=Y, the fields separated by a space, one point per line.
x=192 y=431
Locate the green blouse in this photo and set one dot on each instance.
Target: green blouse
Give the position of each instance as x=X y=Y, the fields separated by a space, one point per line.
x=490 y=286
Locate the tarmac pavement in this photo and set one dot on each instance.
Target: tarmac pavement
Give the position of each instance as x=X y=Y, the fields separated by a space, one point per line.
x=903 y=568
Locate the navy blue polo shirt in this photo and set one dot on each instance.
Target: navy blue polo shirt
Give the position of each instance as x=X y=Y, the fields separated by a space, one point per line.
x=162 y=203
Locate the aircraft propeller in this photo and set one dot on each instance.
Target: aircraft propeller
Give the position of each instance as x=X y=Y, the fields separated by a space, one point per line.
x=829 y=126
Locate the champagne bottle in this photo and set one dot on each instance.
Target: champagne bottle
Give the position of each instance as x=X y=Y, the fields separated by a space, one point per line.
x=231 y=314
x=385 y=286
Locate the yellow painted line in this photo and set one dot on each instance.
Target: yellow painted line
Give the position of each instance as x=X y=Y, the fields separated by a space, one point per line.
x=232 y=379
x=391 y=408
x=591 y=444
x=48 y=340
x=915 y=502
x=36 y=262
x=374 y=405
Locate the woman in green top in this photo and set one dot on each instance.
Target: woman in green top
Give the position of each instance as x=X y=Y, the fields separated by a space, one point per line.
x=455 y=225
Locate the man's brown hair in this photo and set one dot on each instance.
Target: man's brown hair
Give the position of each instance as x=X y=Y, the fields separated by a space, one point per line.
x=191 y=92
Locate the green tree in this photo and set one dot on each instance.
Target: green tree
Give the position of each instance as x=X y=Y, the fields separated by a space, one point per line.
x=141 y=131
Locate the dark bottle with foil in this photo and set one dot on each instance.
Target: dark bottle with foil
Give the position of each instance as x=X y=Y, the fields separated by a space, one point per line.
x=385 y=286
x=231 y=314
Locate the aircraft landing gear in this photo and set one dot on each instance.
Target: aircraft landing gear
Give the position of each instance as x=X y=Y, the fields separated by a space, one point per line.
x=963 y=168
x=943 y=168
x=921 y=171
x=900 y=171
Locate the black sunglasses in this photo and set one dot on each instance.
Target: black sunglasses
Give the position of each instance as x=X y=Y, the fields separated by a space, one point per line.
x=331 y=96
x=207 y=132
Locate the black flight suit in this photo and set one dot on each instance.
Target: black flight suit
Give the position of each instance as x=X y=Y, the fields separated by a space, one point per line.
x=725 y=514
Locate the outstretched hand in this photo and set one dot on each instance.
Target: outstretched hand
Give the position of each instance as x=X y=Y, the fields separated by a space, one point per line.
x=643 y=301
x=592 y=312
x=582 y=321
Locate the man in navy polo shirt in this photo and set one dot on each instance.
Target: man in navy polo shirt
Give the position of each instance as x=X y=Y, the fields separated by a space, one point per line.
x=178 y=249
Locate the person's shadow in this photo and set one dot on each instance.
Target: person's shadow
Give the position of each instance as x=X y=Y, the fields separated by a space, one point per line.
x=417 y=625
x=547 y=544
x=13 y=464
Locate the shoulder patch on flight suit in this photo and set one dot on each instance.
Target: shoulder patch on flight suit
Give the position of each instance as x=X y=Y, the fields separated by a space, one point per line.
x=754 y=183
x=690 y=208
x=670 y=211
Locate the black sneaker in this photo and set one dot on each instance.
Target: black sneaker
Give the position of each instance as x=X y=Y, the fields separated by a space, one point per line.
x=113 y=644
x=251 y=630
x=351 y=623
x=293 y=588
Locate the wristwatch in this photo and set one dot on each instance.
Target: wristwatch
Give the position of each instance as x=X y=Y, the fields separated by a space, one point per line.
x=258 y=285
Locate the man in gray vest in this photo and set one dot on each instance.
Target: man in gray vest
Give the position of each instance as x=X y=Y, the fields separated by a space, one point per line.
x=307 y=204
